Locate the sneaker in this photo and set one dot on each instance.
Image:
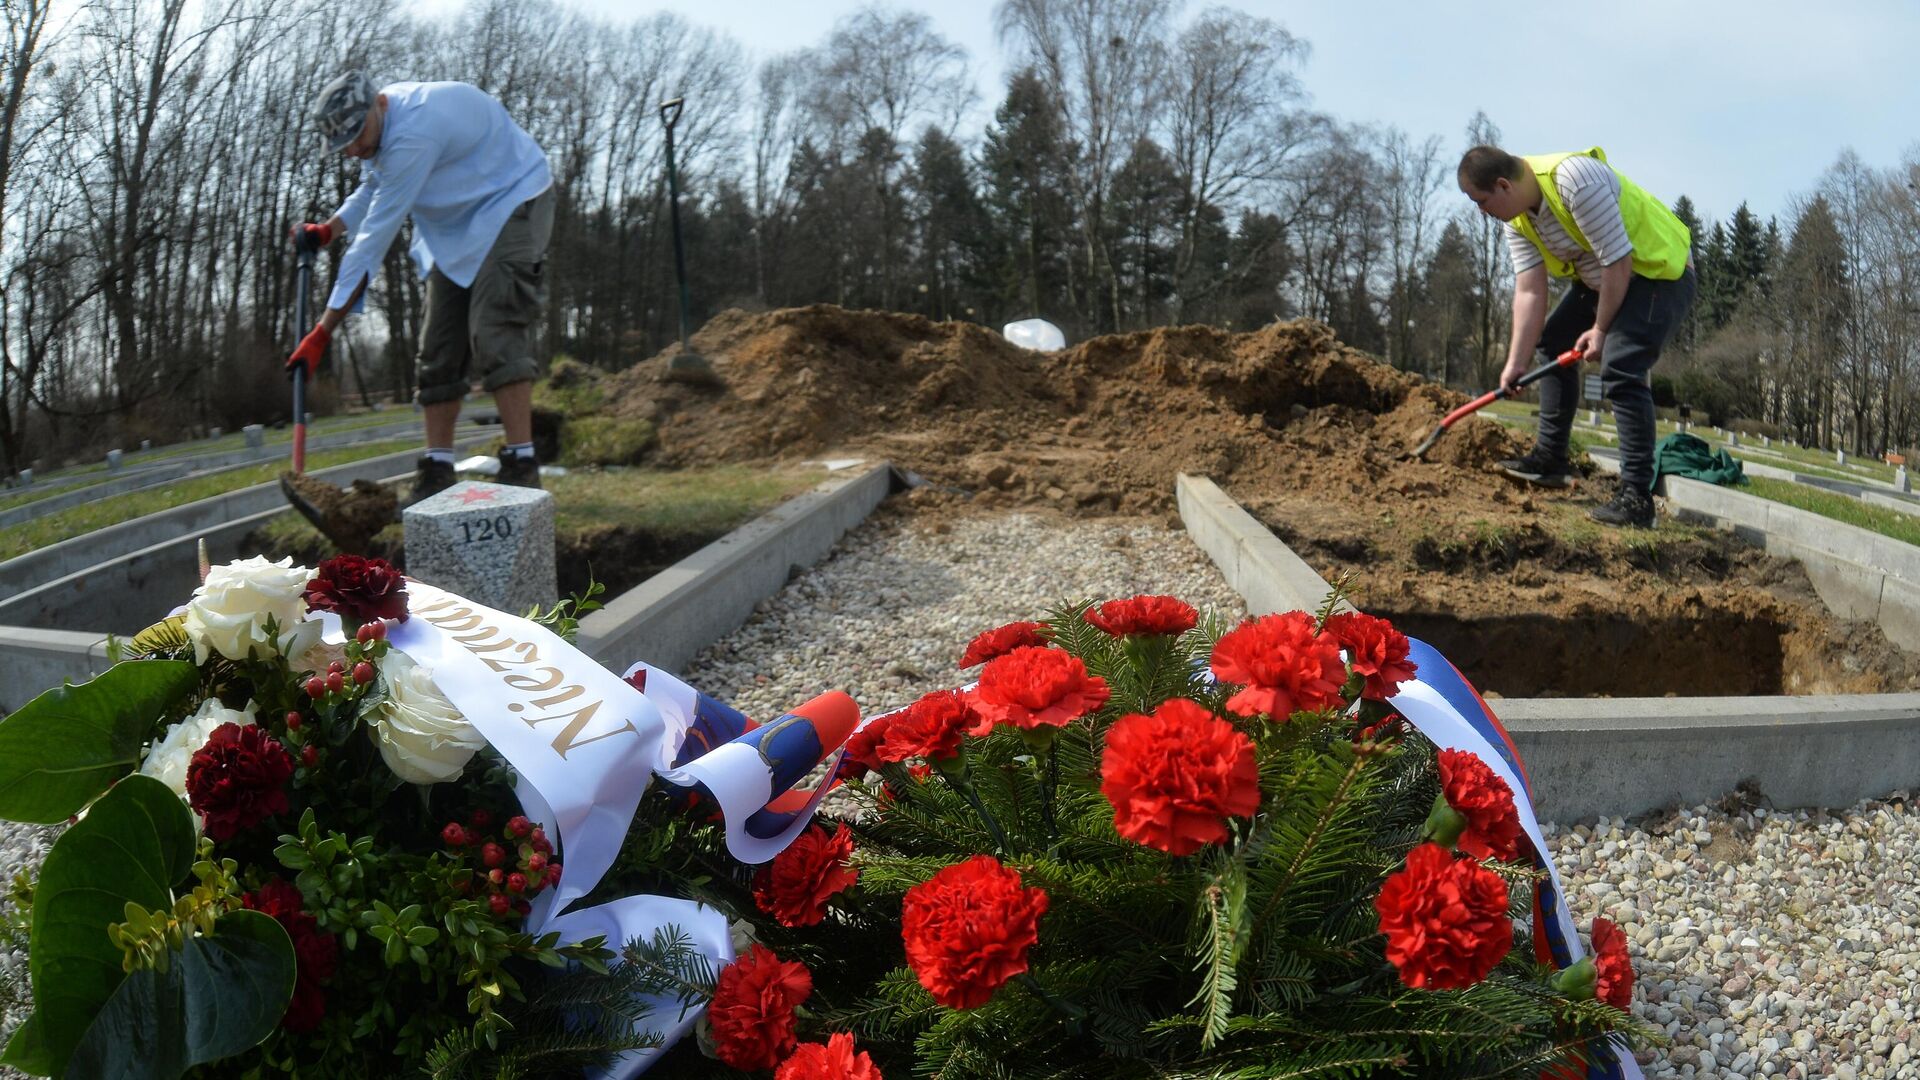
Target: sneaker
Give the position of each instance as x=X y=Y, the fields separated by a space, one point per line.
x=1538 y=467
x=519 y=472
x=430 y=478
x=1630 y=506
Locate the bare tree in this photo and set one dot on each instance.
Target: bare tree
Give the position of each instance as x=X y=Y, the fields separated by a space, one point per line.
x=1236 y=118
x=1103 y=62
x=1412 y=177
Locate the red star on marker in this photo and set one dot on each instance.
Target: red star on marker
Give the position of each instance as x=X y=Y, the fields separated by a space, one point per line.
x=478 y=494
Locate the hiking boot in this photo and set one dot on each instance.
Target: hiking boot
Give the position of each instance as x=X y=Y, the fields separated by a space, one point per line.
x=519 y=472
x=430 y=478
x=1630 y=506
x=1538 y=467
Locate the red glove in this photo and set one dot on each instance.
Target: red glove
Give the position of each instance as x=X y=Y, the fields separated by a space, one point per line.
x=318 y=235
x=311 y=349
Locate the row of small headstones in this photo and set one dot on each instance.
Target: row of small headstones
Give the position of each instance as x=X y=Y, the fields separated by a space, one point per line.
x=1732 y=437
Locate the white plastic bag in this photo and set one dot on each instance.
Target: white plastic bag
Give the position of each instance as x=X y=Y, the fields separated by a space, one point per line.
x=1034 y=334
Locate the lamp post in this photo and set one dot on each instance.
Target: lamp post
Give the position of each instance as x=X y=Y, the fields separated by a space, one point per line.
x=688 y=366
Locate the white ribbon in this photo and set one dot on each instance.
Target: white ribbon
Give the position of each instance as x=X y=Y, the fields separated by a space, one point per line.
x=585 y=745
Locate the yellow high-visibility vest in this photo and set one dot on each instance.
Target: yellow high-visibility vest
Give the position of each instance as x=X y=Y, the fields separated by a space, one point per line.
x=1660 y=240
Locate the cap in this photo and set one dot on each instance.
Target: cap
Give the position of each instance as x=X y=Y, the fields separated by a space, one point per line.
x=341 y=109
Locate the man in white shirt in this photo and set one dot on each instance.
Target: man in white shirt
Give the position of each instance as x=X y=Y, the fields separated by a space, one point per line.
x=1629 y=261
x=479 y=193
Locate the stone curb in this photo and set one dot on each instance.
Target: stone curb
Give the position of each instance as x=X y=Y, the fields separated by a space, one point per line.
x=68 y=557
x=671 y=616
x=664 y=620
x=1622 y=757
x=211 y=465
x=1860 y=574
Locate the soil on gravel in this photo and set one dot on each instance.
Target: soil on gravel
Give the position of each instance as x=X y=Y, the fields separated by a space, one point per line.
x=1310 y=435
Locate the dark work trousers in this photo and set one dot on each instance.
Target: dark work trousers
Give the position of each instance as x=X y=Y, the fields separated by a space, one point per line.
x=1647 y=318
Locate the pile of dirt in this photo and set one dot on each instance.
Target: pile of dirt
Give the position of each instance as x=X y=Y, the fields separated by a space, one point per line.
x=1311 y=437
x=1101 y=426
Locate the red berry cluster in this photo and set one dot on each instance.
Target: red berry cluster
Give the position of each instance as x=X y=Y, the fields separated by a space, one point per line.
x=343 y=681
x=511 y=870
x=369 y=644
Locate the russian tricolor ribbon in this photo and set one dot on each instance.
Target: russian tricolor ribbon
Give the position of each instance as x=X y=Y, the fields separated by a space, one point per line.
x=1445 y=708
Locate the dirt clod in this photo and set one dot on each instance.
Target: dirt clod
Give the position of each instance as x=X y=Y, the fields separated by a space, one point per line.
x=350 y=517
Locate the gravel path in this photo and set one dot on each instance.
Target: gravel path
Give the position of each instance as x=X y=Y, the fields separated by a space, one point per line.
x=1765 y=944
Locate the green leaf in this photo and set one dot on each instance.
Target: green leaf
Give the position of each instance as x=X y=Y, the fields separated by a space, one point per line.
x=27 y=1050
x=220 y=996
x=66 y=746
x=134 y=845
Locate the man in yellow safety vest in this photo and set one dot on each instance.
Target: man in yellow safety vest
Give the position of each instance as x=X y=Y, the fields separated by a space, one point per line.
x=1629 y=259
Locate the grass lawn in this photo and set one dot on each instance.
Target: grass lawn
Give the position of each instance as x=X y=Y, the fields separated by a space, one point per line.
x=38 y=492
x=79 y=520
x=680 y=502
x=1880 y=519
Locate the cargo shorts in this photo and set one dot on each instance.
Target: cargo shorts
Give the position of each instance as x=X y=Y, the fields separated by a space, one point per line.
x=485 y=328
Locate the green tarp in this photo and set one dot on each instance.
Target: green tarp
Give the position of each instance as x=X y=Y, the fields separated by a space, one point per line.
x=1680 y=454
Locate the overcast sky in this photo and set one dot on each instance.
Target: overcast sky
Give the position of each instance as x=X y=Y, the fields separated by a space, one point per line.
x=1722 y=100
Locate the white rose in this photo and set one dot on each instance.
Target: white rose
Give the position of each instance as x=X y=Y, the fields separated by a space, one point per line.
x=171 y=754
x=229 y=611
x=421 y=736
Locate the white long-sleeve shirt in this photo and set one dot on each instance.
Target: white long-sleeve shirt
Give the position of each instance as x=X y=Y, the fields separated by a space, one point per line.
x=1590 y=189
x=452 y=159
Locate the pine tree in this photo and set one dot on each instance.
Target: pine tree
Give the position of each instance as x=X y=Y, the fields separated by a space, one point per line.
x=1687 y=336
x=1746 y=264
x=955 y=239
x=1144 y=222
x=1033 y=218
x=1448 y=298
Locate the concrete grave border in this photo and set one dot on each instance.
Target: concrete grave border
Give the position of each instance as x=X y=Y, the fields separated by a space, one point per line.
x=664 y=620
x=136 y=478
x=217 y=513
x=1593 y=757
x=1860 y=574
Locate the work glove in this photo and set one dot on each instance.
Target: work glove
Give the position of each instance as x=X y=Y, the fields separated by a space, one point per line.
x=307 y=234
x=311 y=349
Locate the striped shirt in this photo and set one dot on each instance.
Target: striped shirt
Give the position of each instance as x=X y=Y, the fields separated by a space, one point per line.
x=1591 y=192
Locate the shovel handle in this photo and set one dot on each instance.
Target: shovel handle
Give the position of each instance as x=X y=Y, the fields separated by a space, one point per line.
x=1565 y=359
x=303 y=279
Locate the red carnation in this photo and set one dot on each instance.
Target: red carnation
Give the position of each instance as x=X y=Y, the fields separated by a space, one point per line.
x=930 y=728
x=1000 y=641
x=237 y=779
x=1284 y=666
x=1445 y=920
x=1176 y=776
x=315 y=952
x=1144 y=615
x=1374 y=649
x=968 y=929
x=1615 y=982
x=1034 y=686
x=794 y=887
x=752 y=1009
x=864 y=745
x=1485 y=800
x=359 y=589
x=833 y=1060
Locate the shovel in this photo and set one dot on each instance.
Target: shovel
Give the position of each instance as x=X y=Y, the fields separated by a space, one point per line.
x=325 y=505
x=1565 y=359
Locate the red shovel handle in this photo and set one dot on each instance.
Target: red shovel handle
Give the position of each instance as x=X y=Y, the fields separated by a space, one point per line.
x=1565 y=359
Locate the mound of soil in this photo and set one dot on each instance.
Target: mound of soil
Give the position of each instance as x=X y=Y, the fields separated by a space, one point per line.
x=1310 y=436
